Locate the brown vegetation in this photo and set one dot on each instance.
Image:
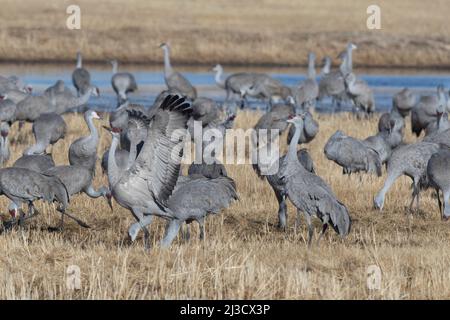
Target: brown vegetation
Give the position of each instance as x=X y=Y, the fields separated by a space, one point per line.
x=270 y=32
x=244 y=255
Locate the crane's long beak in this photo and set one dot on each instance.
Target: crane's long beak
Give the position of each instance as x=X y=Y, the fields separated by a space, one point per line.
x=107 y=128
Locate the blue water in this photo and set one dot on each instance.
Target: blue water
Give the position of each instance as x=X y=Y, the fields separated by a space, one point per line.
x=151 y=81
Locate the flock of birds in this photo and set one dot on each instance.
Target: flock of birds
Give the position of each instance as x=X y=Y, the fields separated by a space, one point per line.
x=143 y=161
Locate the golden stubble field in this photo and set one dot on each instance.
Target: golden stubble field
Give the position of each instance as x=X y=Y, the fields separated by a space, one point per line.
x=413 y=33
x=244 y=256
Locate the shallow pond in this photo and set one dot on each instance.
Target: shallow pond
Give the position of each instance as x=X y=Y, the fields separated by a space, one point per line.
x=150 y=79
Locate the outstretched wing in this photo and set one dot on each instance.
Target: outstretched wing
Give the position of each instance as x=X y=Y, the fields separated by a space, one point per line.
x=159 y=160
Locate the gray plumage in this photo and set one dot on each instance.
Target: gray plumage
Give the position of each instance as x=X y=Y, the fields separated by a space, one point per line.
x=195 y=199
x=310 y=194
x=360 y=93
x=386 y=119
x=83 y=151
x=404 y=101
x=121 y=156
x=122 y=83
x=36 y=162
x=4 y=143
x=438 y=173
x=175 y=81
x=7 y=110
x=78 y=179
x=425 y=111
x=53 y=101
x=352 y=154
x=48 y=129
x=25 y=186
x=146 y=187
x=386 y=141
x=410 y=160
x=278 y=184
x=81 y=78
x=308 y=91
x=205 y=110
x=310 y=129
x=14 y=95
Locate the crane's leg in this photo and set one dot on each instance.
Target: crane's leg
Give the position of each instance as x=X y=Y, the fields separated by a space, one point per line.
x=143 y=221
x=201 y=224
x=185 y=232
x=133 y=230
x=310 y=227
x=446 y=205
x=438 y=196
x=415 y=195
x=173 y=226
x=379 y=198
x=324 y=229
x=282 y=211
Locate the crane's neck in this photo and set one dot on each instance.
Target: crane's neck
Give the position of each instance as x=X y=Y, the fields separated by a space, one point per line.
x=343 y=66
x=326 y=67
x=113 y=169
x=38 y=148
x=349 y=59
x=311 y=69
x=114 y=67
x=4 y=149
x=218 y=78
x=132 y=155
x=93 y=136
x=292 y=160
x=167 y=65
x=79 y=61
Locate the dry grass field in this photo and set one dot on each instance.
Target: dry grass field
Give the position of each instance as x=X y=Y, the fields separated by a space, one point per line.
x=260 y=32
x=244 y=256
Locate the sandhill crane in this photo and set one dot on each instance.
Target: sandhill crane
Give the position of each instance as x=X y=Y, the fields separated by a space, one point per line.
x=25 y=186
x=441 y=134
x=48 y=129
x=310 y=129
x=438 y=170
x=83 y=151
x=81 y=78
x=310 y=194
x=440 y=123
x=36 y=162
x=122 y=83
x=410 y=160
x=78 y=179
x=159 y=163
x=279 y=185
x=265 y=88
x=424 y=112
x=386 y=141
x=4 y=143
x=14 y=95
x=238 y=83
x=7 y=110
x=333 y=83
x=404 y=101
x=308 y=92
x=205 y=110
x=360 y=93
x=175 y=80
x=352 y=154
x=13 y=83
x=32 y=107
